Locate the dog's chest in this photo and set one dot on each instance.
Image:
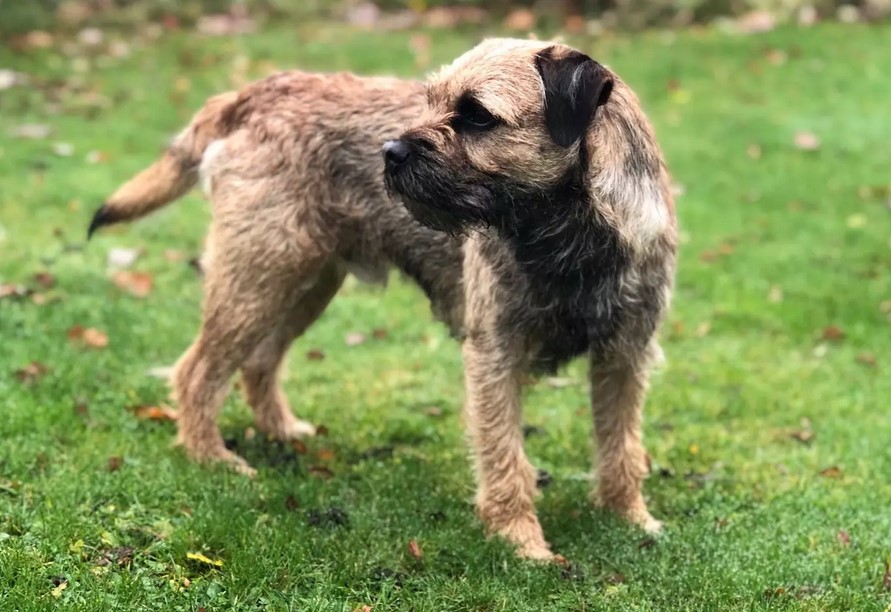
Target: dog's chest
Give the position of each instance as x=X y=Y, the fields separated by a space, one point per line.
x=563 y=285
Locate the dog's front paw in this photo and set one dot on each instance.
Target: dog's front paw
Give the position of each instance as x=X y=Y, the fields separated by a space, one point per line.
x=291 y=429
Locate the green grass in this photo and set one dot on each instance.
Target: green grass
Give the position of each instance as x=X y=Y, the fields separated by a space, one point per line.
x=775 y=249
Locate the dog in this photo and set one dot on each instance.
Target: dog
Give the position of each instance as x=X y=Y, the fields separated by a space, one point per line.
x=531 y=204
x=544 y=161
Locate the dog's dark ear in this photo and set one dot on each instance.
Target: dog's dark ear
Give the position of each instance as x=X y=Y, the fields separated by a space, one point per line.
x=574 y=85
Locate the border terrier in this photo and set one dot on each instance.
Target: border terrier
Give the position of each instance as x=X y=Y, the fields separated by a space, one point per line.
x=536 y=215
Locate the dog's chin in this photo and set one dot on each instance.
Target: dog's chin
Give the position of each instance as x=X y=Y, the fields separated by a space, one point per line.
x=434 y=217
x=450 y=206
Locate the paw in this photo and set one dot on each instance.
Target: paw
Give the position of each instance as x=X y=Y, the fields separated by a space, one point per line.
x=292 y=429
x=537 y=551
x=218 y=453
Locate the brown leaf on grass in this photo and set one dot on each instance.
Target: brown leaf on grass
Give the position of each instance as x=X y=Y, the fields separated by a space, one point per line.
x=843 y=537
x=832 y=471
x=354 y=339
x=291 y=503
x=867 y=359
x=886 y=577
x=45 y=280
x=122 y=555
x=32 y=372
x=804 y=436
x=325 y=454
x=154 y=413
x=414 y=549
x=119 y=257
x=138 y=284
x=115 y=463
x=806 y=141
x=833 y=333
x=378 y=333
x=708 y=256
x=703 y=329
x=315 y=355
x=320 y=471
x=299 y=447
x=174 y=256
x=81 y=408
x=11 y=290
x=433 y=411
x=88 y=336
x=321 y=430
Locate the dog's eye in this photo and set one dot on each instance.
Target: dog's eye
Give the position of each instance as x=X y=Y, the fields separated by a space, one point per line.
x=473 y=115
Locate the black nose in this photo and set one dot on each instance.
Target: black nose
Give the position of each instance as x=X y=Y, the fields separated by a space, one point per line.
x=396 y=153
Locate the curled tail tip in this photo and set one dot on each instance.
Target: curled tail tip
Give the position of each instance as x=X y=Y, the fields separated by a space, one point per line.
x=101 y=217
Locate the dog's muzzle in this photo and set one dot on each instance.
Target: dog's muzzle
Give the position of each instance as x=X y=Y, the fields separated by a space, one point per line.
x=396 y=153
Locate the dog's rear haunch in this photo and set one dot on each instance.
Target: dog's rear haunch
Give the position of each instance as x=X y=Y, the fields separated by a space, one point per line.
x=530 y=202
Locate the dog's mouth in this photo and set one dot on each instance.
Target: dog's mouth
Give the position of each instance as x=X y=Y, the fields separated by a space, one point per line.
x=437 y=198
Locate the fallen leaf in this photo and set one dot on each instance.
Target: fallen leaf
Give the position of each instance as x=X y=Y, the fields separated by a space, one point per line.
x=803 y=436
x=867 y=359
x=81 y=408
x=833 y=333
x=63 y=149
x=89 y=336
x=138 y=284
x=10 y=78
x=57 y=592
x=119 y=257
x=32 y=372
x=708 y=256
x=433 y=411
x=299 y=447
x=807 y=141
x=754 y=151
x=10 y=290
x=45 y=280
x=115 y=463
x=886 y=577
x=201 y=558
x=325 y=454
x=414 y=549
x=321 y=430
x=154 y=413
x=320 y=471
x=378 y=333
x=33 y=131
x=162 y=372
x=831 y=472
x=843 y=537
x=354 y=339
x=315 y=355
x=291 y=503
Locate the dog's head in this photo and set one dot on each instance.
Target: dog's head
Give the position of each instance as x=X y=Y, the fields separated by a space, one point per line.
x=506 y=121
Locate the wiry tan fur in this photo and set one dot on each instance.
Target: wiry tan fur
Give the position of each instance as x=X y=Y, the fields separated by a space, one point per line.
x=292 y=169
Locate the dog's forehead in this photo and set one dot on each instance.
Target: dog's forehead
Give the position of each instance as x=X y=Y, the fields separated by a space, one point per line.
x=499 y=72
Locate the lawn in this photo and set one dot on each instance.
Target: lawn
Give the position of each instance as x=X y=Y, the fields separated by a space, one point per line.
x=768 y=427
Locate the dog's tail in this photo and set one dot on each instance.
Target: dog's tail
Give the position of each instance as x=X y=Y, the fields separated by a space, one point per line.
x=175 y=173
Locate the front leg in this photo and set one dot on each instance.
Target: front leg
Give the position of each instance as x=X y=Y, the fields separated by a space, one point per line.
x=506 y=480
x=618 y=387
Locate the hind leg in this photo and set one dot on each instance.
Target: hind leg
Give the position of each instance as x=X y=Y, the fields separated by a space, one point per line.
x=259 y=372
